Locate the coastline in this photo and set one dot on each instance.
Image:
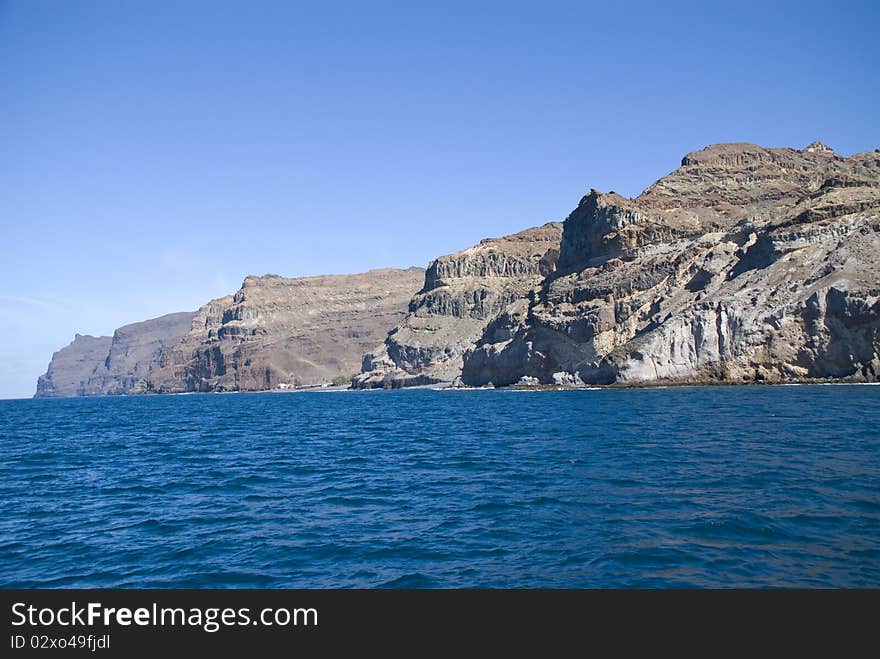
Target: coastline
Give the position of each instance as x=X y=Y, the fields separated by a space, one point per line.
x=448 y=386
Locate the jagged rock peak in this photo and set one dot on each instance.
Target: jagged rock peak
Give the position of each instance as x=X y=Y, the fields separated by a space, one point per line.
x=597 y=198
x=818 y=147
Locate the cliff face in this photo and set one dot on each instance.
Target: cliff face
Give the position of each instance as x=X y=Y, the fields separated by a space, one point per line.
x=745 y=264
x=100 y=366
x=134 y=352
x=72 y=366
x=462 y=293
x=273 y=332
x=285 y=332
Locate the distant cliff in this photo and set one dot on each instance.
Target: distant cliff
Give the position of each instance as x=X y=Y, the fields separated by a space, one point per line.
x=95 y=366
x=288 y=332
x=72 y=367
x=745 y=264
x=273 y=333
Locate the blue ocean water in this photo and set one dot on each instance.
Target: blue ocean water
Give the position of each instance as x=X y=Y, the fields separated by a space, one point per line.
x=678 y=487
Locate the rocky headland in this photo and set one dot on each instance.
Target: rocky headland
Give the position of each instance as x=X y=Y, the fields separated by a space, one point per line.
x=72 y=367
x=273 y=333
x=745 y=264
x=102 y=366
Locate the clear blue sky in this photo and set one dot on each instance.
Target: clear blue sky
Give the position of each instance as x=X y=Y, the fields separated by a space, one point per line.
x=154 y=153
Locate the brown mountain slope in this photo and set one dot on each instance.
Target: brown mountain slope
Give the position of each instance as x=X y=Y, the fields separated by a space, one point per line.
x=286 y=332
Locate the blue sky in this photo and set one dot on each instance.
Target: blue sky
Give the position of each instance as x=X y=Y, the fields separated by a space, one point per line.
x=155 y=153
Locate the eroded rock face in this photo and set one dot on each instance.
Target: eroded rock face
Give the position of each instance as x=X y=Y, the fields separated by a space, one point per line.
x=72 y=366
x=135 y=351
x=107 y=366
x=278 y=332
x=274 y=332
x=462 y=294
x=745 y=264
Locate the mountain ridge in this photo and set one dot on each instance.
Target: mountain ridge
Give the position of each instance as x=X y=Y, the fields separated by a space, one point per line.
x=246 y=341
x=744 y=264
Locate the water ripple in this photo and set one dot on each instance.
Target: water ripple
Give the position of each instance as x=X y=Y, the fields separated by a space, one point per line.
x=678 y=487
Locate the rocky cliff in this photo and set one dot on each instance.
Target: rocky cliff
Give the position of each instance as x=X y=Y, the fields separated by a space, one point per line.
x=277 y=332
x=744 y=264
x=96 y=366
x=462 y=293
x=134 y=352
x=273 y=333
x=72 y=367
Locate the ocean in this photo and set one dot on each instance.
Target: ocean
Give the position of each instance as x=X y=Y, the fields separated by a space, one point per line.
x=752 y=486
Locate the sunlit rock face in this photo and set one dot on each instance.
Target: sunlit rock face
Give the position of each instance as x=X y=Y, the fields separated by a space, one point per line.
x=273 y=333
x=281 y=333
x=744 y=264
x=461 y=295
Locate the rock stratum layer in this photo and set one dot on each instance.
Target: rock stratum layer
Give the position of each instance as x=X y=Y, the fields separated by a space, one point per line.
x=72 y=366
x=97 y=366
x=744 y=264
x=286 y=332
x=273 y=333
x=462 y=294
